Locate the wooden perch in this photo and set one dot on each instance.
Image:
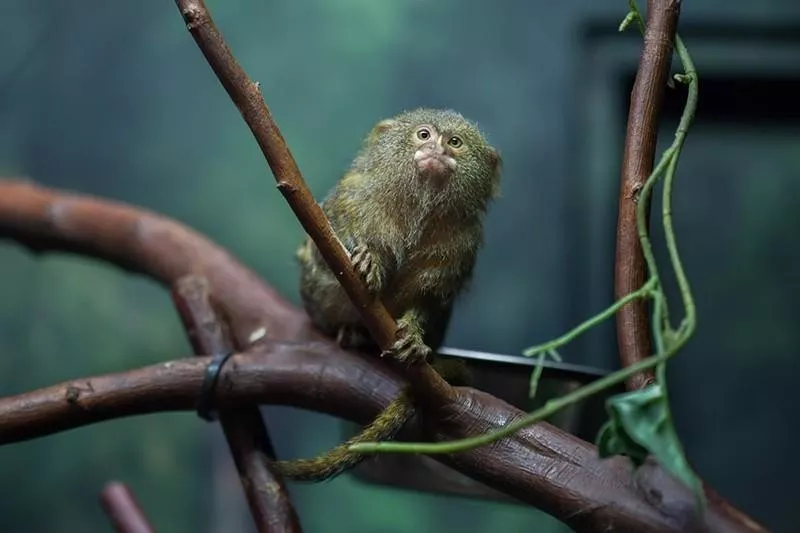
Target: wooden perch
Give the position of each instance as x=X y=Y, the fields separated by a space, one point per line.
x=542 y=465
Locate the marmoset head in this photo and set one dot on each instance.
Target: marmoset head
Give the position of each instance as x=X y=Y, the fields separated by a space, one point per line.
x=432 y=148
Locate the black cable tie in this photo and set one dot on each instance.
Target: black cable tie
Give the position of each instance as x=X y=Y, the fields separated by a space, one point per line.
x=205 y=403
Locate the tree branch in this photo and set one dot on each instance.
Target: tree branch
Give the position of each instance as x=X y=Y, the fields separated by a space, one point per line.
x=123 y=510
x=142 y=242
x=247 y=97
x=541 y=465
x=633 y=332
x=244 y=428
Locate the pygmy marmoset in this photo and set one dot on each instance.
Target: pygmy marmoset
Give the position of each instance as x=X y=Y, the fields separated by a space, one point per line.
x=410 y=213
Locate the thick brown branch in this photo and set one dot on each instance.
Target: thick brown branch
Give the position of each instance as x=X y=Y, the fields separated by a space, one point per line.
x=630 y=272
x=123 y=510
x=141 y=242
x=244 y=428
x=541 y=465
x=247 y=97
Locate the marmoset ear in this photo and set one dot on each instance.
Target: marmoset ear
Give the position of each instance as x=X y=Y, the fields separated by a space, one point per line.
x=380 y=128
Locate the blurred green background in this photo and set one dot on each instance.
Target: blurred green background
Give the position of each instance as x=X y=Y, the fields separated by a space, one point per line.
x=114 y=99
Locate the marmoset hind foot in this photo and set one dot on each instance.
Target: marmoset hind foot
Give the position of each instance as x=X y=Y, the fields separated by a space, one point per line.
x=409 y=347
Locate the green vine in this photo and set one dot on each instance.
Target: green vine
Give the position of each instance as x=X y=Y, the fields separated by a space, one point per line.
x=640 y=421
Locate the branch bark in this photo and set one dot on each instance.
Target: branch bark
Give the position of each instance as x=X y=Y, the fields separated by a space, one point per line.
x=541 y=465
x=633 y=332
x=244 y=428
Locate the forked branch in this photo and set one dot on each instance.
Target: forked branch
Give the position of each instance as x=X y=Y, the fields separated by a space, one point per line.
x=541 y=465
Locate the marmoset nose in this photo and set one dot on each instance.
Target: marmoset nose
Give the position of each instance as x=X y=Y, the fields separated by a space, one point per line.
x=433 y=147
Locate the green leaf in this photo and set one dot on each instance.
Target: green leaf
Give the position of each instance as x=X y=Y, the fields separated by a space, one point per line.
x=612 y=440
x=640 y=423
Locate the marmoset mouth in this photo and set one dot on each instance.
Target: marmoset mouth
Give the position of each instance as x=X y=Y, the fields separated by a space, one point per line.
x=434 y=164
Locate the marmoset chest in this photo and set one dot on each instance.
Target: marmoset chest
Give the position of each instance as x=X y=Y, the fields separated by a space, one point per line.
x=434 y=264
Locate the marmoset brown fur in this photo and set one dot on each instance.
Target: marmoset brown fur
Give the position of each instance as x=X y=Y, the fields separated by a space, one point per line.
x=410 y=212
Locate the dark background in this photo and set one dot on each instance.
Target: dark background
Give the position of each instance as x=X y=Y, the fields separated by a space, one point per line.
x=115 y=99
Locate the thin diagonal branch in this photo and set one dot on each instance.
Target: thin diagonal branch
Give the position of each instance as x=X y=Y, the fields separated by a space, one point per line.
x=630 y=273
x=244 y=428
x=247 y=97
